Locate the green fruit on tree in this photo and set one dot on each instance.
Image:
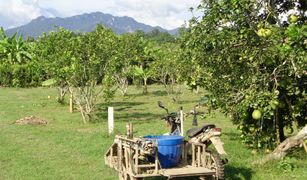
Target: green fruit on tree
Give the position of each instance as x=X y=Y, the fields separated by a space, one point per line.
x=273 y=106
x=293 y=18
x=268 y=32
x=262 y=32
x=256 y=114
x=276 y=102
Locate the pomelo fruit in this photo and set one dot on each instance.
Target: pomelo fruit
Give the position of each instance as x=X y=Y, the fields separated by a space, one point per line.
x=256 y=114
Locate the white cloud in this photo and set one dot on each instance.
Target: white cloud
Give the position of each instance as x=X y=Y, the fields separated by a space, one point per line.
x=18 y=12
x=165 y=13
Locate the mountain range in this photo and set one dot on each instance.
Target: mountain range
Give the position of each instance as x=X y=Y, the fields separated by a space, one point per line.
x=84 y=23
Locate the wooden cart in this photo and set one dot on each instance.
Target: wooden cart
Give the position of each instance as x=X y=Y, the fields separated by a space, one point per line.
x=135 y=158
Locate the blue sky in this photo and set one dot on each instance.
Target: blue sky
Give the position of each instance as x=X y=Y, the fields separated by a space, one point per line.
x=168 y=14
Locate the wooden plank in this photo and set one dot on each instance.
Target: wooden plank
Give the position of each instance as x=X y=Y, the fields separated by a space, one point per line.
x=119 y=156
x=126 y=158
x=146 y=165
x=136 y=170
x=156 y=163
x=186 y=172
x=198 y=156
x=193 y=155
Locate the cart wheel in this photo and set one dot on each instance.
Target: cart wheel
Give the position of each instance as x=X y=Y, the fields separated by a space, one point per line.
x=214 y=162
x=134 y=178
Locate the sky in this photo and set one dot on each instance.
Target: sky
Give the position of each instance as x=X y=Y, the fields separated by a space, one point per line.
x=168 y=14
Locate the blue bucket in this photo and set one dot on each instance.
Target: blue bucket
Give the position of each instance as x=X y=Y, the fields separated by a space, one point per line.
x=169 y=149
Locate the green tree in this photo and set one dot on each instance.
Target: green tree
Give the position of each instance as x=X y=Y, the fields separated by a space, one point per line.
x=55 y=53
x=144 y=58
x=91 y=65
x=167 y=67
x=160 y=37
x=126 y=55
x=253 y=63
x=79 y=63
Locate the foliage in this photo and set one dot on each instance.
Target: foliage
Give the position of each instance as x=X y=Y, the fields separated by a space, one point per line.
x=159 y=37
x=92 y=55
x=128 y=51
x=78 y=62
x=143 y=69
x=18 y=67
x=55 y=53
x=246 y=70
x=167 y=68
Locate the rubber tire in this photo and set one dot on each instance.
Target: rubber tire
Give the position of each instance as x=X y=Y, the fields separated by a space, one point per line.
x=219 y=165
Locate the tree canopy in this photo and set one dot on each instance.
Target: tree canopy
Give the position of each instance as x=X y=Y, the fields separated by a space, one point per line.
x=252 y=61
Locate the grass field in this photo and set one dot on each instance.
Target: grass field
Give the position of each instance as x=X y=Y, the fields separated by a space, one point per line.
x=68 y=149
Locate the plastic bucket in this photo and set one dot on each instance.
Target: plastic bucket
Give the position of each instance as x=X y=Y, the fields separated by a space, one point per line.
x=169 y=149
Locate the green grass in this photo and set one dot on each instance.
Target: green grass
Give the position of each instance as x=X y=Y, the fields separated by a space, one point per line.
x=68 y=149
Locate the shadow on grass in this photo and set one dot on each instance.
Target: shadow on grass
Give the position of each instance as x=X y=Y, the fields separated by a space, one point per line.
x=186 y=102
x=118 y=107
x=139 y=118
x=238 y=173
x=159 y=93
x=125 y=111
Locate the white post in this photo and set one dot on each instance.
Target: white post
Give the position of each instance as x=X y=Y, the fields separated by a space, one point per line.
x=181 y=121
x=110 y=120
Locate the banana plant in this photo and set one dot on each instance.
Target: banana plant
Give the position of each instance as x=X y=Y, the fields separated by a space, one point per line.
x=140 y=72
x=13 y=50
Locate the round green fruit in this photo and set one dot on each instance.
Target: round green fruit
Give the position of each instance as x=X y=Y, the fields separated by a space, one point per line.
x=262 y=32
x=276 y=102
x=267 y=32
x=256 y=114
x=293 y=18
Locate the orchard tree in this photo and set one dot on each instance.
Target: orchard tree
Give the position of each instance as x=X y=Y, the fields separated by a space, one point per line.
x=92 y=54
x=55 y=53
x=167 y=67
x=253 y=62
x=79 y=63
x=126 y=55
x=143 y=65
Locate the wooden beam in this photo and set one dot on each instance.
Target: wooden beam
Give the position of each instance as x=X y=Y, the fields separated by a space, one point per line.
x=198 y=156
x=193 y=155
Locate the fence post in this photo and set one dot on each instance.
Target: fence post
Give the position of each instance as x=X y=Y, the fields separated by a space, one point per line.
x=181 y=121
x=110 y=120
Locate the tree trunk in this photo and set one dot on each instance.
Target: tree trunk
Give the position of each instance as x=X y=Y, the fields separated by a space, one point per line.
x=280 y=135
x=145 y=90
x=62 y=90
x=283 y=149
x=71 y=100
x=71 y=103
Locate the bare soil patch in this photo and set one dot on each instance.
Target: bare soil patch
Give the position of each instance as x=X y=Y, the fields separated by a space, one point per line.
x=32 y=120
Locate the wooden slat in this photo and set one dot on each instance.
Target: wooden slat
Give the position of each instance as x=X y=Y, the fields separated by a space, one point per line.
x=186 y=171
x=146 y=165
x=136 y=170
x=193 y=155
x=198 y=156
